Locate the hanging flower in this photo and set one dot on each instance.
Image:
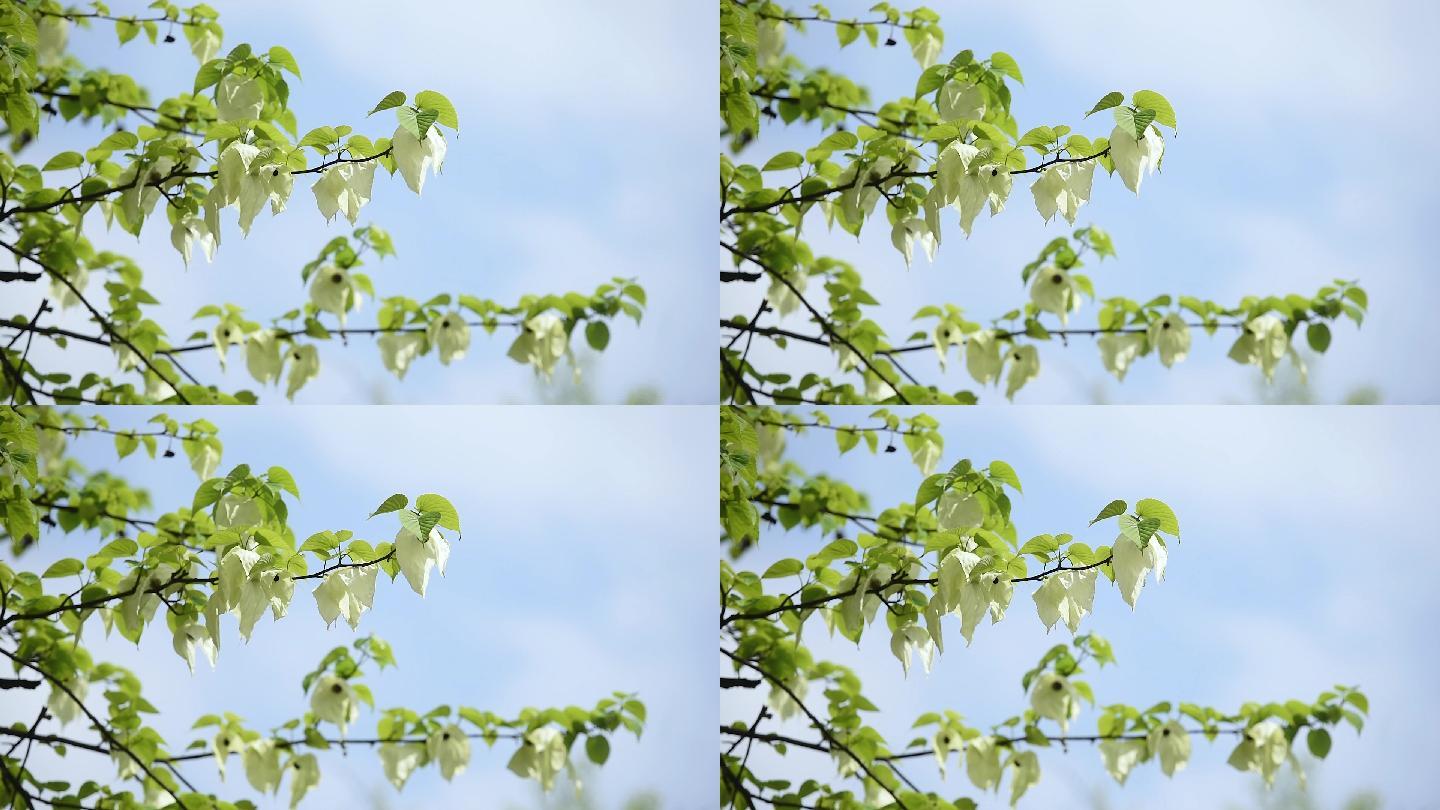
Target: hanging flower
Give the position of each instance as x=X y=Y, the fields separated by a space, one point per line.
x=1121 y=756
x=1054 y=697
x=400 y=759
x=333 y=701
x=399 y=349
x=1054 y=291
x=982 y=762
x=304 y=773
x=239 y=98
x=304 y=366
x=262 y=765
x=1024 y=366
x=414 y=156
x=451 y=336
x=417 y=558
x=1172 y=337
x=262 y=357
x=1118 y=350
x=541 y=757
x=449 y=747
x=1134 y=158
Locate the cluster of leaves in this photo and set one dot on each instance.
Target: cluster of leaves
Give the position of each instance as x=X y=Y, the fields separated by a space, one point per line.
x=953 y=551
x=953 y=145
x=231 y=550
x=230 y=140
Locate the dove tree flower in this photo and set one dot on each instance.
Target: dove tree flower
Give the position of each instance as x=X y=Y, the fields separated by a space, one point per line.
x=183 y=158
x=916 y=168
x=228 y=548
x=914 y=572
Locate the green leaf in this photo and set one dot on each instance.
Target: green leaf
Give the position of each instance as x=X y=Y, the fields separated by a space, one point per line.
x=597 y=749
x=416 y=120
x=930 y=489
x=208 y=74
x=393 y=503
x=597 y=334
x=281 y=477
x=1151 y=508
x=64 y=160
x=64 y=568
x=448 y=517
x=1111 y=99
x=1319 y=741
x=784 y=160
x=1116 y=507
x=783 y=568
x=281 y=58
x=1149 y=99
x=1318 y=335
x=1005 y=63
x=431 y=100
x=391 y=100
x=1005 y=474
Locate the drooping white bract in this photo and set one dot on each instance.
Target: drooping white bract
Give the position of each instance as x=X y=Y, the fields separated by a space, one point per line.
x=61 y=705
x=399 y=349
x=1131 y=563
x=1263 y=342
x=227 y=333
x=983 y=593
x=414 y=156
x=1052 y=290
x=262 y=356
x=344 y=189
x=333 y=701
x=769 y=41
x=204 y=42
x=946 y=334
x=1121 y=756
x=400 y=759
x=1134 y=158
x=262 y=765
x=261 y=185
x=449 y=747
x=450 y=335
x=982 y=762
x=960 y=510
x=304 y=772
x=417 y=558
x=903 y=237
x=943 y=743
x=1062 y=189
x=1067 y=596
x=957 y=101
x=348 y=592
x=239 y=98
x=982 y=356
x=541 y=343
x=304 y=365
x=1263 y=749
x=53 y=34
x=237 y=512
x=1024 y=768
x=1119 y=350
x=1055 y=698
x=265 y=590
x=541 y=757
x=904 y=641
x=925 y=45
x=187 y=637
x=234 y=572
x=332 y=290
x=225 y=742
x=1171 y=744
x=1024 y=366
x=1171 y=337
x=925 y=450
x=185 y=232
x=783 y=299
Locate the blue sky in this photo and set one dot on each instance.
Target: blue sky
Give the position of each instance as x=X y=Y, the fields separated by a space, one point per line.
x=585 y=152
x=1305 y=562
x=1279 y=182
x=575 y=577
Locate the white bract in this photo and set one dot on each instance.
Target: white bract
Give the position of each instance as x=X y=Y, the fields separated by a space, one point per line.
x=1131 y=563
x=417 y=558
x=333 y=701
x=1063 y=189
x=61 y=705
x=1119 y=350
x=451 y=336
x=304 y=365
x=348 y=592
x=982 y=357
x=236 y=512
x=542 y=342
x=400 y=759
x=227 y=333
x=1134 y=158
x=1024 y=770
x=1171 y=744
x=225 y=743
x=1054 y=291
x=262 y=765
x=990 y=593
x=1263 y=342
x=946 y=334
x=1121 y=756
x=904 y=234
x=414 y=156
x=541 y=757
x=959 y=510
x=1067 y=596
x=399 y=349
x=304 y=774
x=957 y=101
x=1262 y=749
x=262 y=357
x=185 y=232
x=982 y=762
x=451 y=749
x=344 y=189
x=1055 y=698
x=944 y=742
x=1171 y=337
x=239 y=98
x=332 y=290
x=53 y=33
x=1024 y=366
x=910 y=639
